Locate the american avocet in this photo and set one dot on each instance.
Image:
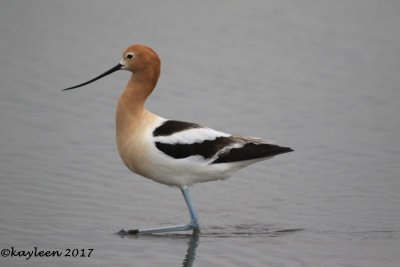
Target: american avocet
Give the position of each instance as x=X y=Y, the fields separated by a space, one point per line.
x=173 y=152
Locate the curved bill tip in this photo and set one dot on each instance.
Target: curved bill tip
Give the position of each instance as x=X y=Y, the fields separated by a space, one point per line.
x=113 y=69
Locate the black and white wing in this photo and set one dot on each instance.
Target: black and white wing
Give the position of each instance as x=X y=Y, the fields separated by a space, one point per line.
x=180 y=140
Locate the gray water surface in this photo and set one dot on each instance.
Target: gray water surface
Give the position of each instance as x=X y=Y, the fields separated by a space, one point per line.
x=319 y=76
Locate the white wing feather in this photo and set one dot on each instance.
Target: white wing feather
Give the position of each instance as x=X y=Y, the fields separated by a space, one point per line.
x=191 y=136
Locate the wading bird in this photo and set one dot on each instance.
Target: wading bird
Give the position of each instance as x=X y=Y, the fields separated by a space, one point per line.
x=172 y=152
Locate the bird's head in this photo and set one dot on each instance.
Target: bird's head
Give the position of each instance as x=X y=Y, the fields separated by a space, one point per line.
x=135 y=58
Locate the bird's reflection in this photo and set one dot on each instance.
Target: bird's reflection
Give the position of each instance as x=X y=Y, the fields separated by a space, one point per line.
x=191 y=251
x=220 y=232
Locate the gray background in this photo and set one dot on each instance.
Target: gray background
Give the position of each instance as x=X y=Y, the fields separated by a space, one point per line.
x=319 y=76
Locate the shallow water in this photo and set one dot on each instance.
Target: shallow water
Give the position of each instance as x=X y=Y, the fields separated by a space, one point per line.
x=321 y=77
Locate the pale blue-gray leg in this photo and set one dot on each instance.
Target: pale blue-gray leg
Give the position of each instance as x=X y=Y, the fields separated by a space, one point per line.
x=194 y=219
x=193 y=225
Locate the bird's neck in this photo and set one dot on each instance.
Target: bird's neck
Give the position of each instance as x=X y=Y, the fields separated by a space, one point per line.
x=131 y=114
x=139 y=87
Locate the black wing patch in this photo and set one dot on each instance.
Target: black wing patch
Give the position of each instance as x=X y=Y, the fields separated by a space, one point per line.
x=251 y=151
x=206 y=149
x=209 y=148
x=170 y=127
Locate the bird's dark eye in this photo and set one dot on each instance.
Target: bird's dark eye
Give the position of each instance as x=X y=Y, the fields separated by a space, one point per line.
x=129 y=56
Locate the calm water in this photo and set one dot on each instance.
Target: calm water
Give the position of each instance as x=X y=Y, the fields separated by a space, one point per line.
x=320 y=76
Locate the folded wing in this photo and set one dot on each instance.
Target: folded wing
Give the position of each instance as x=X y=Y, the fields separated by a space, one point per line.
x=181 y=140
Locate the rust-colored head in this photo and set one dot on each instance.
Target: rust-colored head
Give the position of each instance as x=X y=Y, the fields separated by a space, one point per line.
x=138 y=57
x=135 y=58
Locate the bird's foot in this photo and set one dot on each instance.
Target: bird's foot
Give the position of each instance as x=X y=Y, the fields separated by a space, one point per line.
x=194 y=226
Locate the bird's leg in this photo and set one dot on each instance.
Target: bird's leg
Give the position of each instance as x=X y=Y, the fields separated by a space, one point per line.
x=194 y=219
x=193 y=225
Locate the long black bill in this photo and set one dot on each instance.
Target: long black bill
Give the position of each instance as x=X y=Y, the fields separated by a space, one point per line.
x=114 y=69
